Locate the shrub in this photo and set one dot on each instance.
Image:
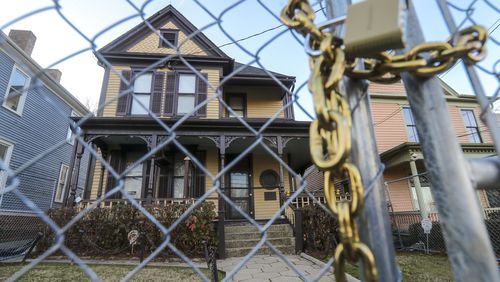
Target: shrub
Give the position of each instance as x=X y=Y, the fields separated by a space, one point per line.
x=436 y=240
x=104 y=231
x=320 y=230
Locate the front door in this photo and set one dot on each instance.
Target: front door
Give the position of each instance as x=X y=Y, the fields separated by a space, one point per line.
x=239 y=189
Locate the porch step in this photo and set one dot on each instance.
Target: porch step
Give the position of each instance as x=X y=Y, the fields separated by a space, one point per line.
x=238 y=243
x=256 y=235
x=242 y=238
x=248 y=228
x=241 y=252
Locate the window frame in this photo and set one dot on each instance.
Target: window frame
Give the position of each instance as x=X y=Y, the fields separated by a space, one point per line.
x=410 y=126
x=468 y=134
x=227 y=99
x=8 y=155
x=177 y=93
x=70 y=137
x=162 y=44
x=58 y=184
x=135 y=73
x=22 y=99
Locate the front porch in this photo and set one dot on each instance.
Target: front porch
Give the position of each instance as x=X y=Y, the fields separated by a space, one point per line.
x=179 y=168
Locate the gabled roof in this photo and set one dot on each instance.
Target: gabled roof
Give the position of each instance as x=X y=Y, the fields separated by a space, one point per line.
x=256 y=72
x=166 y=14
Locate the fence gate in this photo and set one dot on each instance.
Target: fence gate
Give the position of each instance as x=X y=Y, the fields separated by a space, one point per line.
x=341 y=141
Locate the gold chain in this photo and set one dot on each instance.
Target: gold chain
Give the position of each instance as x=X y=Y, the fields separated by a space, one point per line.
x=330 y=133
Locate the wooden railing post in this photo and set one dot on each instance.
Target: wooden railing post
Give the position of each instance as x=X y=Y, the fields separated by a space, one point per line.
x=299 y=232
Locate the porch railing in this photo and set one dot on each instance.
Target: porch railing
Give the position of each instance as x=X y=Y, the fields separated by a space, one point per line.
x=108 y=203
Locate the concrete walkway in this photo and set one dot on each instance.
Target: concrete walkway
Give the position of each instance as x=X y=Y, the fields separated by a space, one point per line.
x=272 y=268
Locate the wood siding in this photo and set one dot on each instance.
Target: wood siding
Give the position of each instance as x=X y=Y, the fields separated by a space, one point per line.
x=43 y=123
x=262 y=102
x=151 y=44
x=390 y=129
x=264 y=209
x=399 y=191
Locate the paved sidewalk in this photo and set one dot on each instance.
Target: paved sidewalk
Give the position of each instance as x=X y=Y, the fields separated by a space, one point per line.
x=272 y=268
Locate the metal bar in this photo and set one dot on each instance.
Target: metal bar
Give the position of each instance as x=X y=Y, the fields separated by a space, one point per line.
x=299 y=231
x=221 y=214
x=469 y=249
x=484 y=173
x=483 y=101
x=374 y=224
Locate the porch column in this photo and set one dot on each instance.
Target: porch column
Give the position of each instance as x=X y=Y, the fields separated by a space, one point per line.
x=71 y=168
x=74 y=183
x=149 y=191
x=104 y=155
x=282 y=182
x=221 y=208
x=418 y=189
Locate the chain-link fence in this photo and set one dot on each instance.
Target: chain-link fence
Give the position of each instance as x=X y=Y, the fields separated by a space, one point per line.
x=406 y=217
x=191 y=151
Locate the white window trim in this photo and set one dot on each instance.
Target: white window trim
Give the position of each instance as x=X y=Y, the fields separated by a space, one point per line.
x=22 y=99
x=70 y=137
x=10 y=149
x=58 y=182
x=473 y=110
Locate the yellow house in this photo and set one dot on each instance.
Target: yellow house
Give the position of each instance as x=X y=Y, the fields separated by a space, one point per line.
x=190 y=95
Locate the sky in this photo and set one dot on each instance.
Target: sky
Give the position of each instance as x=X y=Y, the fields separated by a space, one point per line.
x=68 y=48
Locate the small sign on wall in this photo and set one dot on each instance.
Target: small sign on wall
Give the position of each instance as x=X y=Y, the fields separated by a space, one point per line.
x=270 y=196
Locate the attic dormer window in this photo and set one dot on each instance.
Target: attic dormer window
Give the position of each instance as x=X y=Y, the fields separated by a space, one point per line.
x=169 y=36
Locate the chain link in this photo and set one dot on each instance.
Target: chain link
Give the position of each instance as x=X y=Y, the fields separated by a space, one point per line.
x=330 y=133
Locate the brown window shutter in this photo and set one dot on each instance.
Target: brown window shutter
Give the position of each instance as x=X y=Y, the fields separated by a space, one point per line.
x=169 y=94
x=123 y=104
x=157 y=92
x=202 y=95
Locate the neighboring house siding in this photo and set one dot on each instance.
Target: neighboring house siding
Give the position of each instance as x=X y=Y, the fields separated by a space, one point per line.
x=389 y=124
x=43 y=124
x=399 y=191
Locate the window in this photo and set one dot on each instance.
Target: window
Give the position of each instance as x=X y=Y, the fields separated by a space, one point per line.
x=170 y=37
x=237 y=103
x=186 y=94
x=70 y=137
x=5 y=153
x=142 y=93
x=16 y=91
x=61 y=183
x=134 y=178
x=471 y=128
x=410 y=125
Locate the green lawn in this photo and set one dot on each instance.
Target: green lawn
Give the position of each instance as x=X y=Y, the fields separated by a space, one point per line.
x=65 y=272
x=418 y=267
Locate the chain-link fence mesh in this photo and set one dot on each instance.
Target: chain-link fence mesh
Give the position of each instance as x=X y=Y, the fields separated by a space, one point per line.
x=406 y=218
x=164 y=217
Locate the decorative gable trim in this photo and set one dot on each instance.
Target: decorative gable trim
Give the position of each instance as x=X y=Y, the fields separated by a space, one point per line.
x=157 y=20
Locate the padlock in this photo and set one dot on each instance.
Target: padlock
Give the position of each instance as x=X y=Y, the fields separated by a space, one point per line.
x=374 y=26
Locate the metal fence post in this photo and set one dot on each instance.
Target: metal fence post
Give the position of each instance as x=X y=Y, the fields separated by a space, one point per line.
x=467 y=242
x=374 y=224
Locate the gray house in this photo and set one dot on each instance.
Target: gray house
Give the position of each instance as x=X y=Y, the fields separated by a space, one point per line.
x=35 y=113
